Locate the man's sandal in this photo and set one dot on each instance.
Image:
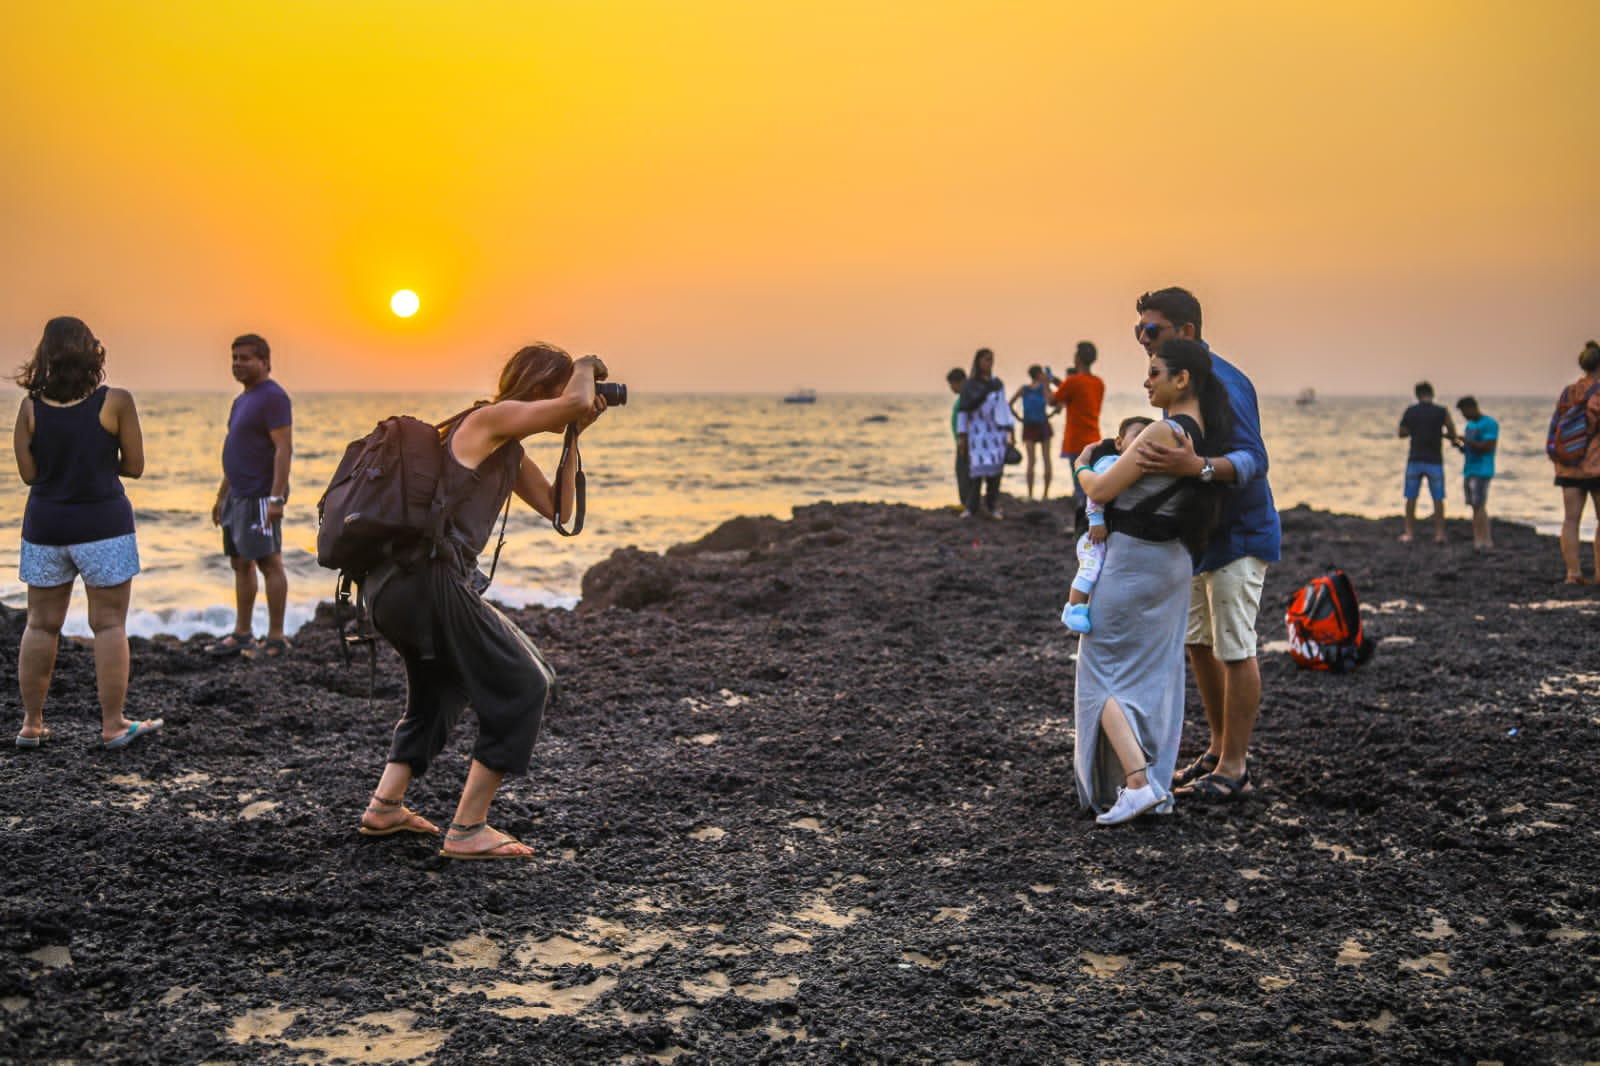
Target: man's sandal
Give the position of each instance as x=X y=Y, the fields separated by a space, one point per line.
x=411 y=823
x=267 y=648
x=459 y=832
x=1195 y=770
x=1214 y=786
x=232 y=644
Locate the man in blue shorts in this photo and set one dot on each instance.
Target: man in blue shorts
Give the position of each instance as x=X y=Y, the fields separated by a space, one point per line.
x=1225 y=595
x=1426 y=423
x=255 y=487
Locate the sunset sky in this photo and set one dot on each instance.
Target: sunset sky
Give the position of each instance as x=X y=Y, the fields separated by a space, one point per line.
x=752 y=195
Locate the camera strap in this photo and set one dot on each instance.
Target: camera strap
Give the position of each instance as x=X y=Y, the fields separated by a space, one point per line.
x=569 y=454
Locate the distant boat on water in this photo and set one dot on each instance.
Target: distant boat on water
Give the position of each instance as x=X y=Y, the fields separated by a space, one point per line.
x=1306 y=397
x=801 y=396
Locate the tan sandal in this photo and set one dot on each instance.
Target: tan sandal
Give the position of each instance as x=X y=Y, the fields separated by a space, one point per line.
x=411 y=823
x=459 y=832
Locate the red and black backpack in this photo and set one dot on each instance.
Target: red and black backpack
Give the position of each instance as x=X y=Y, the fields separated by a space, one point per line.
x=1324 y=622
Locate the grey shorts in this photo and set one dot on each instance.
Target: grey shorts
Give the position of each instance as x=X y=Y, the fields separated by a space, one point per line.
x=246 y=533
x=103 y=563
x=1477 y=491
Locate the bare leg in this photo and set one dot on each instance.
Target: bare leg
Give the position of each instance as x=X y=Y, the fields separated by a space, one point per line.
x=1044 y=455
x=1438 y=521
x=1481 y=537
x=108 y=618
x=1241 y=700
x=1114 y=724
x=1209 y=679
x=1033 y=448
x=472 y=815
x=1597 y=536
x=36 y=655
x=1411 y=520
x=277 y=582
x=244 y=593
x=1572 y=501
x=386 y=809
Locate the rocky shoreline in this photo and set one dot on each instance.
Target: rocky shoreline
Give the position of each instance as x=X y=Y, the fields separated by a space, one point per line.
x=808 y=796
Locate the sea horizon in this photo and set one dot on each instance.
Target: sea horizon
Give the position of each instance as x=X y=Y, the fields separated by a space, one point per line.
x=667 y=468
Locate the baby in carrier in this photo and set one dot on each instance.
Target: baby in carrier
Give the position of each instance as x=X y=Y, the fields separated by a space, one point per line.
x=1092 y=545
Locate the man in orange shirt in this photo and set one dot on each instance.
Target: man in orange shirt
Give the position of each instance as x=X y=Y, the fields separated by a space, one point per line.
x=1080 y=394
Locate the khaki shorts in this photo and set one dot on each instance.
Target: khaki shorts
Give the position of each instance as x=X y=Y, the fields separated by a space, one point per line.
x=1223 y=605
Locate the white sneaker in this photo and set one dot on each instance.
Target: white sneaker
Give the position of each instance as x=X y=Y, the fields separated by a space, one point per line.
x=1131 y=802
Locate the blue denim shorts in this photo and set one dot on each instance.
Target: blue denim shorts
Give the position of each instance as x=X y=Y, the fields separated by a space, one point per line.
x=103 y=563
x=1434 y=472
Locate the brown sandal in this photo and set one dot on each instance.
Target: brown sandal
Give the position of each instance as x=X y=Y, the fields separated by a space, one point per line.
x=411 y=823
x=459 y=832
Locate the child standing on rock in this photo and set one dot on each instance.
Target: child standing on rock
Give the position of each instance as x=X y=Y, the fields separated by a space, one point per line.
x=1092 y=545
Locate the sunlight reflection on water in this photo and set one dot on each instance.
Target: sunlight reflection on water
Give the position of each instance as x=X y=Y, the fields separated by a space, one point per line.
x=667 y=469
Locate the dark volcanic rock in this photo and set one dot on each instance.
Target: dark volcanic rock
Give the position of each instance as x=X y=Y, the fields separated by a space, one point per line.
x=808 y=797
x=629 y=579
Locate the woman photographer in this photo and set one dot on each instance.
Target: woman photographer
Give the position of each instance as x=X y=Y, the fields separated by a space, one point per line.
x=1130 y=675
x=458 y=650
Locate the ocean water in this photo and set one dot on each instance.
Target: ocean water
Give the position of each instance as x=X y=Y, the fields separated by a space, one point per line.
x=665 y=469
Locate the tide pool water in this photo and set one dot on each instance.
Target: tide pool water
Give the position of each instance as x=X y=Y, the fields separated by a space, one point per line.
x=665 y=469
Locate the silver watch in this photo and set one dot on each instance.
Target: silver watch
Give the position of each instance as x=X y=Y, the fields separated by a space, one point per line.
x=1208 y=471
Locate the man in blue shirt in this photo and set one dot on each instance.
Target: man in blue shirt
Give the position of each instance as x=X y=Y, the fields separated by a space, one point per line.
x=1225 y=596
x=1426 y=423
x=255 y=487
x=1478 y=440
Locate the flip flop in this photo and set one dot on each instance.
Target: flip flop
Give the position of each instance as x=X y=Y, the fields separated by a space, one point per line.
x=492 y=853
x=135 y=731
x=411 y=823
x=33 y=742
x=495 y=852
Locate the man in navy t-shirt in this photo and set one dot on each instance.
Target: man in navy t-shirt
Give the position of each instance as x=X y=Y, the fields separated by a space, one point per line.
x=1426 y=423
x=255 y=487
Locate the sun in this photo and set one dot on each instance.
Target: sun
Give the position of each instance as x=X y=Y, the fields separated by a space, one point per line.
x=404 y=303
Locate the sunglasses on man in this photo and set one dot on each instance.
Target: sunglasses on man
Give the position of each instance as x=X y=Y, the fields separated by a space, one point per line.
x=1144 y=331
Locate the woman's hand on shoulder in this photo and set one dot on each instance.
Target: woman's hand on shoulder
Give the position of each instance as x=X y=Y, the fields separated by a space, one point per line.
x=1161 y=450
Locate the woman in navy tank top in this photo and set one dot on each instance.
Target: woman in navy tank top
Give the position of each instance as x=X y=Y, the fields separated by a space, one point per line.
x=76 y=438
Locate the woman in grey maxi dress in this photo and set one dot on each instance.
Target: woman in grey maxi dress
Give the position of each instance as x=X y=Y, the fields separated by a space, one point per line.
x=1130 y=673
x=1134 y=653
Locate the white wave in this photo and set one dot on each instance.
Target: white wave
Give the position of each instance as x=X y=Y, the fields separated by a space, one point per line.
x=516 y=597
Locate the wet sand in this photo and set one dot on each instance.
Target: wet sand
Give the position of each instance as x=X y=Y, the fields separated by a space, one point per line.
x=807 y=796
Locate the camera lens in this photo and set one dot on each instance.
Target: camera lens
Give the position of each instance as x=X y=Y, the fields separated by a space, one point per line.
x=616 y=394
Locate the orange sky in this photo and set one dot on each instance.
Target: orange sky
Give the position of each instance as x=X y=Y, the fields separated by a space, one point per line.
x=752 y=195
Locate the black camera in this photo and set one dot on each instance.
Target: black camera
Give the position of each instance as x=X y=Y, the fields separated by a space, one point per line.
x=616 y=394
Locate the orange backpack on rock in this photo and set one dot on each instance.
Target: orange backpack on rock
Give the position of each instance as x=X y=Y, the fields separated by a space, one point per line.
x=1324 y=622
